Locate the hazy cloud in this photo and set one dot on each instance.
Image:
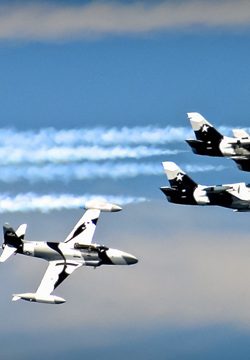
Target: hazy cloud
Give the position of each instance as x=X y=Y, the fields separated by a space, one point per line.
x=56 y=22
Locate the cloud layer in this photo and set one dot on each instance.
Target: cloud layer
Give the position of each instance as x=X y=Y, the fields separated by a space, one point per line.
x=56 y=22
x=198 y=278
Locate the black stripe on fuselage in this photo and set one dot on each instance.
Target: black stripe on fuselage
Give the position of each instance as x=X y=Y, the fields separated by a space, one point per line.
x=221 y=199
x=105 y=260
x=55 y=246
x=200 y=147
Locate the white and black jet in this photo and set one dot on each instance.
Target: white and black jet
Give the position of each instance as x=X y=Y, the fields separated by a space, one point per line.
x=211 y=142
x=184 y=190
x=65 y=257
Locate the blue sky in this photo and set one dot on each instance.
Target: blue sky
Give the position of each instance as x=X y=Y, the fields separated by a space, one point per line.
x=77 y=80
x=91 y=105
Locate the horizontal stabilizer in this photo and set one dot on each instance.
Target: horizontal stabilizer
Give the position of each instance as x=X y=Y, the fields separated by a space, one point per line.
x=7 y=252
x=168 y=190
x=200 y=147
x=21 y=231
x=35 y=297
x=241 y=210
x=102 y=206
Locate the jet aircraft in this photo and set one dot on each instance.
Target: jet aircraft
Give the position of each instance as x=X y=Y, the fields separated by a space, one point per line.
x=65 y=257
x=211 y=142
x=184 y=190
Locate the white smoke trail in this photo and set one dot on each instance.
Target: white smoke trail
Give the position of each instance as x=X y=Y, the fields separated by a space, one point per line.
x=202 y=168
x=63 y=154
x=70 y=172
x=46 y=203
x=48 y=138
x=87 y=171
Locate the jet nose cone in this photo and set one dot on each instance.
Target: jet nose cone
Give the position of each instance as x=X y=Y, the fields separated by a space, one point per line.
x=130 y=259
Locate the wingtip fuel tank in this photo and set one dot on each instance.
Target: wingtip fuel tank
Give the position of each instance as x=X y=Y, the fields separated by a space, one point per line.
x=102 y=206
x=35 y=297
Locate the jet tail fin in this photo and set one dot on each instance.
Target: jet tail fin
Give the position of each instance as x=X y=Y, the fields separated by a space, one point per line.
x=182 y=186
x=203 y=129
x=12 y=240
x=177 y=177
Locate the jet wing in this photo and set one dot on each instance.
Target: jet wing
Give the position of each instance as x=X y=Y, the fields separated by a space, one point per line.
x=241 y=134
x=55 y=274
x=243 y=143
x=83 y=231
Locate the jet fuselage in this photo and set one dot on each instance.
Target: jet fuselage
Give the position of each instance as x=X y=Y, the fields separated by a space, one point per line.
x=227 y=147
x=89 y=255
x=209 y=141
x=236 y=196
